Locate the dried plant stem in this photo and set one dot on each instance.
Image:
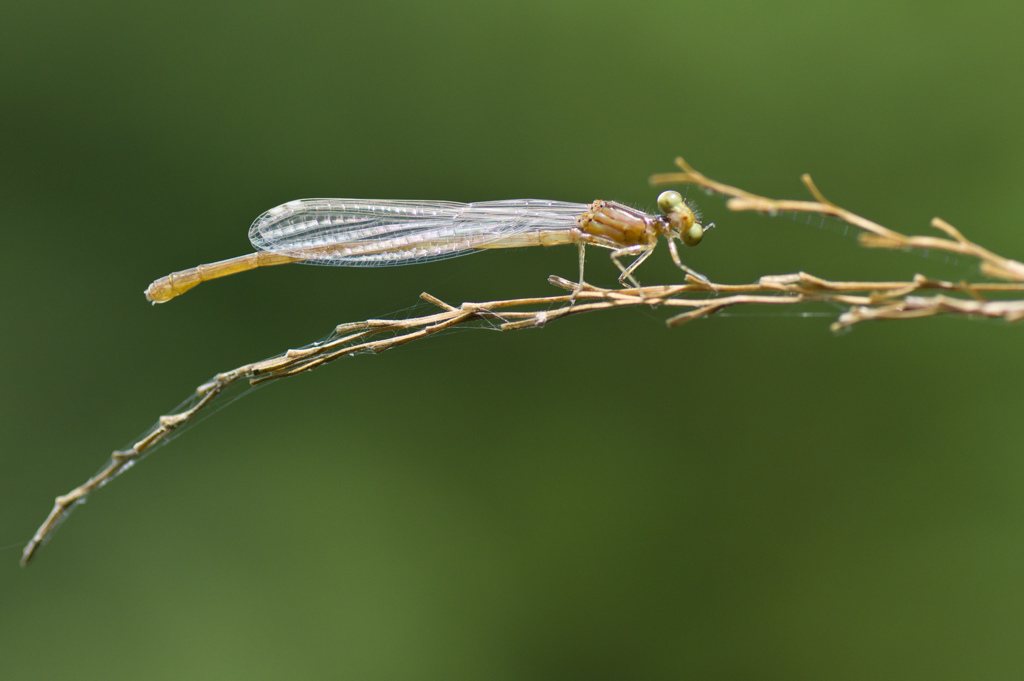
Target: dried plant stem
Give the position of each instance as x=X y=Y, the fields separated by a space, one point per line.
x=865 y=300
x=874 y=235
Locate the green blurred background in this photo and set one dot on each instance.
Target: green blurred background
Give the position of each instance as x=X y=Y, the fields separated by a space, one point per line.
x=744 y=497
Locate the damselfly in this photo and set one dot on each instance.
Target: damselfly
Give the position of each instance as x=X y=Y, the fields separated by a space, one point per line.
x=367 y=233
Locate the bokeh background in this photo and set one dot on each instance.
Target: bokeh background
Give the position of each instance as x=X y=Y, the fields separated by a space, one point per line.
x=744 y=497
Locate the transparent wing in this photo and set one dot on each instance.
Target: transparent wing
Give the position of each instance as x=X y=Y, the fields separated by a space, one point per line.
x=365 y=233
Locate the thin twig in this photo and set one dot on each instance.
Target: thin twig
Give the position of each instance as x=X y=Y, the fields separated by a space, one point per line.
x=874 y=235
x=865 y=300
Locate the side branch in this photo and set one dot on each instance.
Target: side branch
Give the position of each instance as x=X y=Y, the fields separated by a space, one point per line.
x=873 y=235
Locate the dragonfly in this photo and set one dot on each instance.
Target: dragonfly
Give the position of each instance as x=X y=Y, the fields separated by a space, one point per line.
x=369 y=233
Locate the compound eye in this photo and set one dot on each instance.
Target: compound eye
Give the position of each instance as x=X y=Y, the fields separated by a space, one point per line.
x=669 y=201
x=693 y=235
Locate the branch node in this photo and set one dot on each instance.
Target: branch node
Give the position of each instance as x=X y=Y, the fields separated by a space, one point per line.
x=943 y=226
x=815 y=192
x=437 y=301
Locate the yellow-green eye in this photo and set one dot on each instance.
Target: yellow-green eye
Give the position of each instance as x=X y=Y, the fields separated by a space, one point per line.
x=693 y=235
x=669 y=201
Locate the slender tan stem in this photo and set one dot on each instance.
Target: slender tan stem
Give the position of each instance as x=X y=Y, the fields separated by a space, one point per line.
x=874 y=235
x=919 y=297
